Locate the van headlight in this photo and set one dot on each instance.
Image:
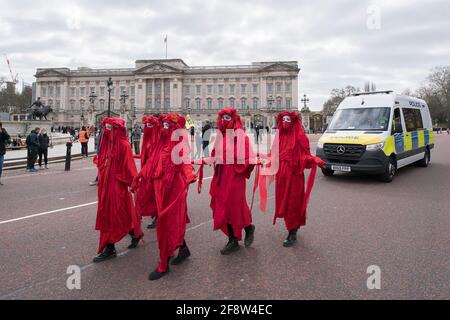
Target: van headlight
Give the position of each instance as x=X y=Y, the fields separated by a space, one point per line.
x=374 y=147
x=319 y=144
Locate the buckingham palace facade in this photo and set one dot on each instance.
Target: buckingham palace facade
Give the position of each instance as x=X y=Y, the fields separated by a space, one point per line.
x=258 y=91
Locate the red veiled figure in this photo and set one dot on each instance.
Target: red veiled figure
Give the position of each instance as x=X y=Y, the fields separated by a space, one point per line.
x=145 y=196
x=294 y=156
x=116 y=214
x=232 y=167
x=171 y=177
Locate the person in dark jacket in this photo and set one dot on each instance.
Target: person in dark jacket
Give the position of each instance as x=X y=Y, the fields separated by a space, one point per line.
x=44 y=141
x=206 y=135
x=33 y=149
x=4 y=138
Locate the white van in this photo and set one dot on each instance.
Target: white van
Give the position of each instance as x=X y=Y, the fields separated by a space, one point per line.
x=377 y=133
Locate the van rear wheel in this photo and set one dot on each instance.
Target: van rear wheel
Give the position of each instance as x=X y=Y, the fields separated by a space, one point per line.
x=426 y=159
x=327 y=172
x=390 y=171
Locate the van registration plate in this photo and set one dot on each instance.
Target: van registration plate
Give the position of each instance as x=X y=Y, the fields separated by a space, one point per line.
x=341 y=168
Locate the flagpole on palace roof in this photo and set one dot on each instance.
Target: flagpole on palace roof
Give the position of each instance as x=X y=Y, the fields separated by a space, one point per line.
x=165 y=40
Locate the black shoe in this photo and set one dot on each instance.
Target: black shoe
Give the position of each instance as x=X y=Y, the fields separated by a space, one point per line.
x=182 y=255
x=152 y=225
x=291 y=239
x=232 y=245
x=155 y=275
x=249 y=235
x=135 y=241
x=108 y=253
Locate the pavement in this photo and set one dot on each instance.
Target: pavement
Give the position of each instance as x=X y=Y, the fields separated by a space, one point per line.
x=47 y=222
x=58 y=150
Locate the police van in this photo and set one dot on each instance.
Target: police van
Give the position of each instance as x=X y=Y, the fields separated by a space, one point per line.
x=377 y=133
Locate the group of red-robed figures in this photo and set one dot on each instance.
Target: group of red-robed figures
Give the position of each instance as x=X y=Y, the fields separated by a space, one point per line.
x=161 y=187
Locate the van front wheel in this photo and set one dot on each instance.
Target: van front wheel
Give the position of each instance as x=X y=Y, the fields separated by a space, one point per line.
x=426 y=159
x=327 y=172
x=391 y=169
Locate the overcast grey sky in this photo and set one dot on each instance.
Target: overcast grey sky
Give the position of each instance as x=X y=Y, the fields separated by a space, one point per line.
x=335 y=42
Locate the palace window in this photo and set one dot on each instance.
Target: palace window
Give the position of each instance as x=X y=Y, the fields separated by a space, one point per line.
x=269 y=87
x=288 y=103
x=72 y=105
x=197 y=103
x=243 y=88
x=187 y=90
x=231 y=88
x=102 y=105
x=220 y=103
x=279 y=105
x=231 y=102
x=220 y=88
x=255 y=103
x=288 y=87
x=102 y=91
x=255 y=89
x=209 y=89
x=187 y=103
x=148 y=104
x=244 y=103
x=58 y=104
x=43 y=92
x=50 y=91
x=198 y=89
x=209 y=103
x=82 y=91
x=81 y=104
x=58 y=92
x=278 y=87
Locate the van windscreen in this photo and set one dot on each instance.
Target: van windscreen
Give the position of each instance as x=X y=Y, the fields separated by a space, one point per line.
x=361 y=119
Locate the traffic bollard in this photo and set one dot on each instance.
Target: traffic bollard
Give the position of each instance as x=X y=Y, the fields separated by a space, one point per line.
x=68 y=155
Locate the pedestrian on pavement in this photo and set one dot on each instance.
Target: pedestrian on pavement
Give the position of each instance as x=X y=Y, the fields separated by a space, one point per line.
x=84 y=140
x=136 y=139
x=98 y=140
x=116 y=214
x=231 y=212
x=198 y=144
x=206 y=135
x=33 y=149
x=4 y=139
x=44 y=141
x=293 y=157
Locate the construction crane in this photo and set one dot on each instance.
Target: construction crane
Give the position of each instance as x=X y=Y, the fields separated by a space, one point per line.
x=14 y=79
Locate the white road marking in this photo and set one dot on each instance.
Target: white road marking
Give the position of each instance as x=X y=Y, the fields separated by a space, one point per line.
x=58 y=210
x=48 y=212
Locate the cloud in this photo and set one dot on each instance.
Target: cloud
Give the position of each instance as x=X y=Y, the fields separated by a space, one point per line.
x=330 y=39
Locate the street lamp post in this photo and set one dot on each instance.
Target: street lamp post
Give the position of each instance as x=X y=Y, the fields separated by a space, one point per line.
x=92 y=98
x=109 y=84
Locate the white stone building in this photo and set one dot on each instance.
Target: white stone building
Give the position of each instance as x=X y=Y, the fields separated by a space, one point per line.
x=258 y=91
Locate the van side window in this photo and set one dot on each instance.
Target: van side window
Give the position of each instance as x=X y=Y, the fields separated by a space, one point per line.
x=397 y=122
x=413 y=119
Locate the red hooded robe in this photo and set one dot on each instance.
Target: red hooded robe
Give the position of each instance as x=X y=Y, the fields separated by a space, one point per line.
x=171 y=183
x=228 y=185
x=294 y=157
x=116 y=215
x=145 y=197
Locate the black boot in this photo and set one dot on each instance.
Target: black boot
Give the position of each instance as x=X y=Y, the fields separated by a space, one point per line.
x=249 y=235
x=134 y=240
x=291 y=238
x=155 y=275
x=153 y=224
x=108 y=253
x=183 y=253
x=232 y=245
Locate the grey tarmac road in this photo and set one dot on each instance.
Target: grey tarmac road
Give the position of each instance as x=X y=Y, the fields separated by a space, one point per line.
x=353 y=222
